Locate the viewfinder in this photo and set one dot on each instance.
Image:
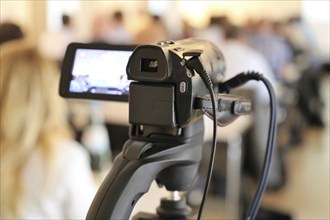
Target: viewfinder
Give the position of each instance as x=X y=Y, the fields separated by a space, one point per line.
x=149 y=65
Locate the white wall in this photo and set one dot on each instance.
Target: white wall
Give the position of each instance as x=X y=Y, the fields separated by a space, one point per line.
x=317 y=15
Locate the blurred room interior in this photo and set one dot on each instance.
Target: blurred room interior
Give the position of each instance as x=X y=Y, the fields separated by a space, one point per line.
x=300 y=187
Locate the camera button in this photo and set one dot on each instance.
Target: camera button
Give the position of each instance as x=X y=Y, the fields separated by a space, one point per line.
x=183 y=87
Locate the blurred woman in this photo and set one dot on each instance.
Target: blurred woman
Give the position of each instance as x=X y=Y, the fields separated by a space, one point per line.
x=44 y=174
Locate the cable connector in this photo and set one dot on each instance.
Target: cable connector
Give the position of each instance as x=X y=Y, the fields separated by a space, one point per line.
x=238 y=80
x=229 y=107
x=234 y=104
x=194 y=64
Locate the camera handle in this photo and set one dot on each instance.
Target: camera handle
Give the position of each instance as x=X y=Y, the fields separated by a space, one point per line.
x=173 y=165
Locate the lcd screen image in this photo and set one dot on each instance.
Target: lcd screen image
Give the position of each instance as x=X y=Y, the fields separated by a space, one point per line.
x=100 y=72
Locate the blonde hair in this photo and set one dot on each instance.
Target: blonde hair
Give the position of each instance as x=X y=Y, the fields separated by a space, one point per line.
x=32 y=116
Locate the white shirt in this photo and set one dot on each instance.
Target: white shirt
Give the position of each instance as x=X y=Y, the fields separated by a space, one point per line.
x=71 y=189
x=241 y=58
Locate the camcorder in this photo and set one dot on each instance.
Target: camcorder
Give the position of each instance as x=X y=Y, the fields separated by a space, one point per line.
x=167 y=101
x=167 y=130
x=153 y=78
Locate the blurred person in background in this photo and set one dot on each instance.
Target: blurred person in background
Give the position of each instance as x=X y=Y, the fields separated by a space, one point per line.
x=239 y=57
x=110 y=29
x=99 y=29
x=153 y=31
x=214 y=32
x=10 y=31
x=272 y=45
x=188 y=31
x=118 y=33
x=310 y=70
x=302 y=41
x=44 y=173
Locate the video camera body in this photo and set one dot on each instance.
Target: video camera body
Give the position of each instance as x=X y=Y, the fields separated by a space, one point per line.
x=165 y=89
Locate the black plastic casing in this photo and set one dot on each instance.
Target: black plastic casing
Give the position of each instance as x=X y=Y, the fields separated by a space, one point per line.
x=164 y=95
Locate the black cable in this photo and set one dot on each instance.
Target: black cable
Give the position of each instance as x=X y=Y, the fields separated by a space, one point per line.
x=195 y=64
x=209 y=86
x=253 y=210
x=239 y=80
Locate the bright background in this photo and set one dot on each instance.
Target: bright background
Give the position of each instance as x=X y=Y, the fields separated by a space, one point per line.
x=38 y=16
